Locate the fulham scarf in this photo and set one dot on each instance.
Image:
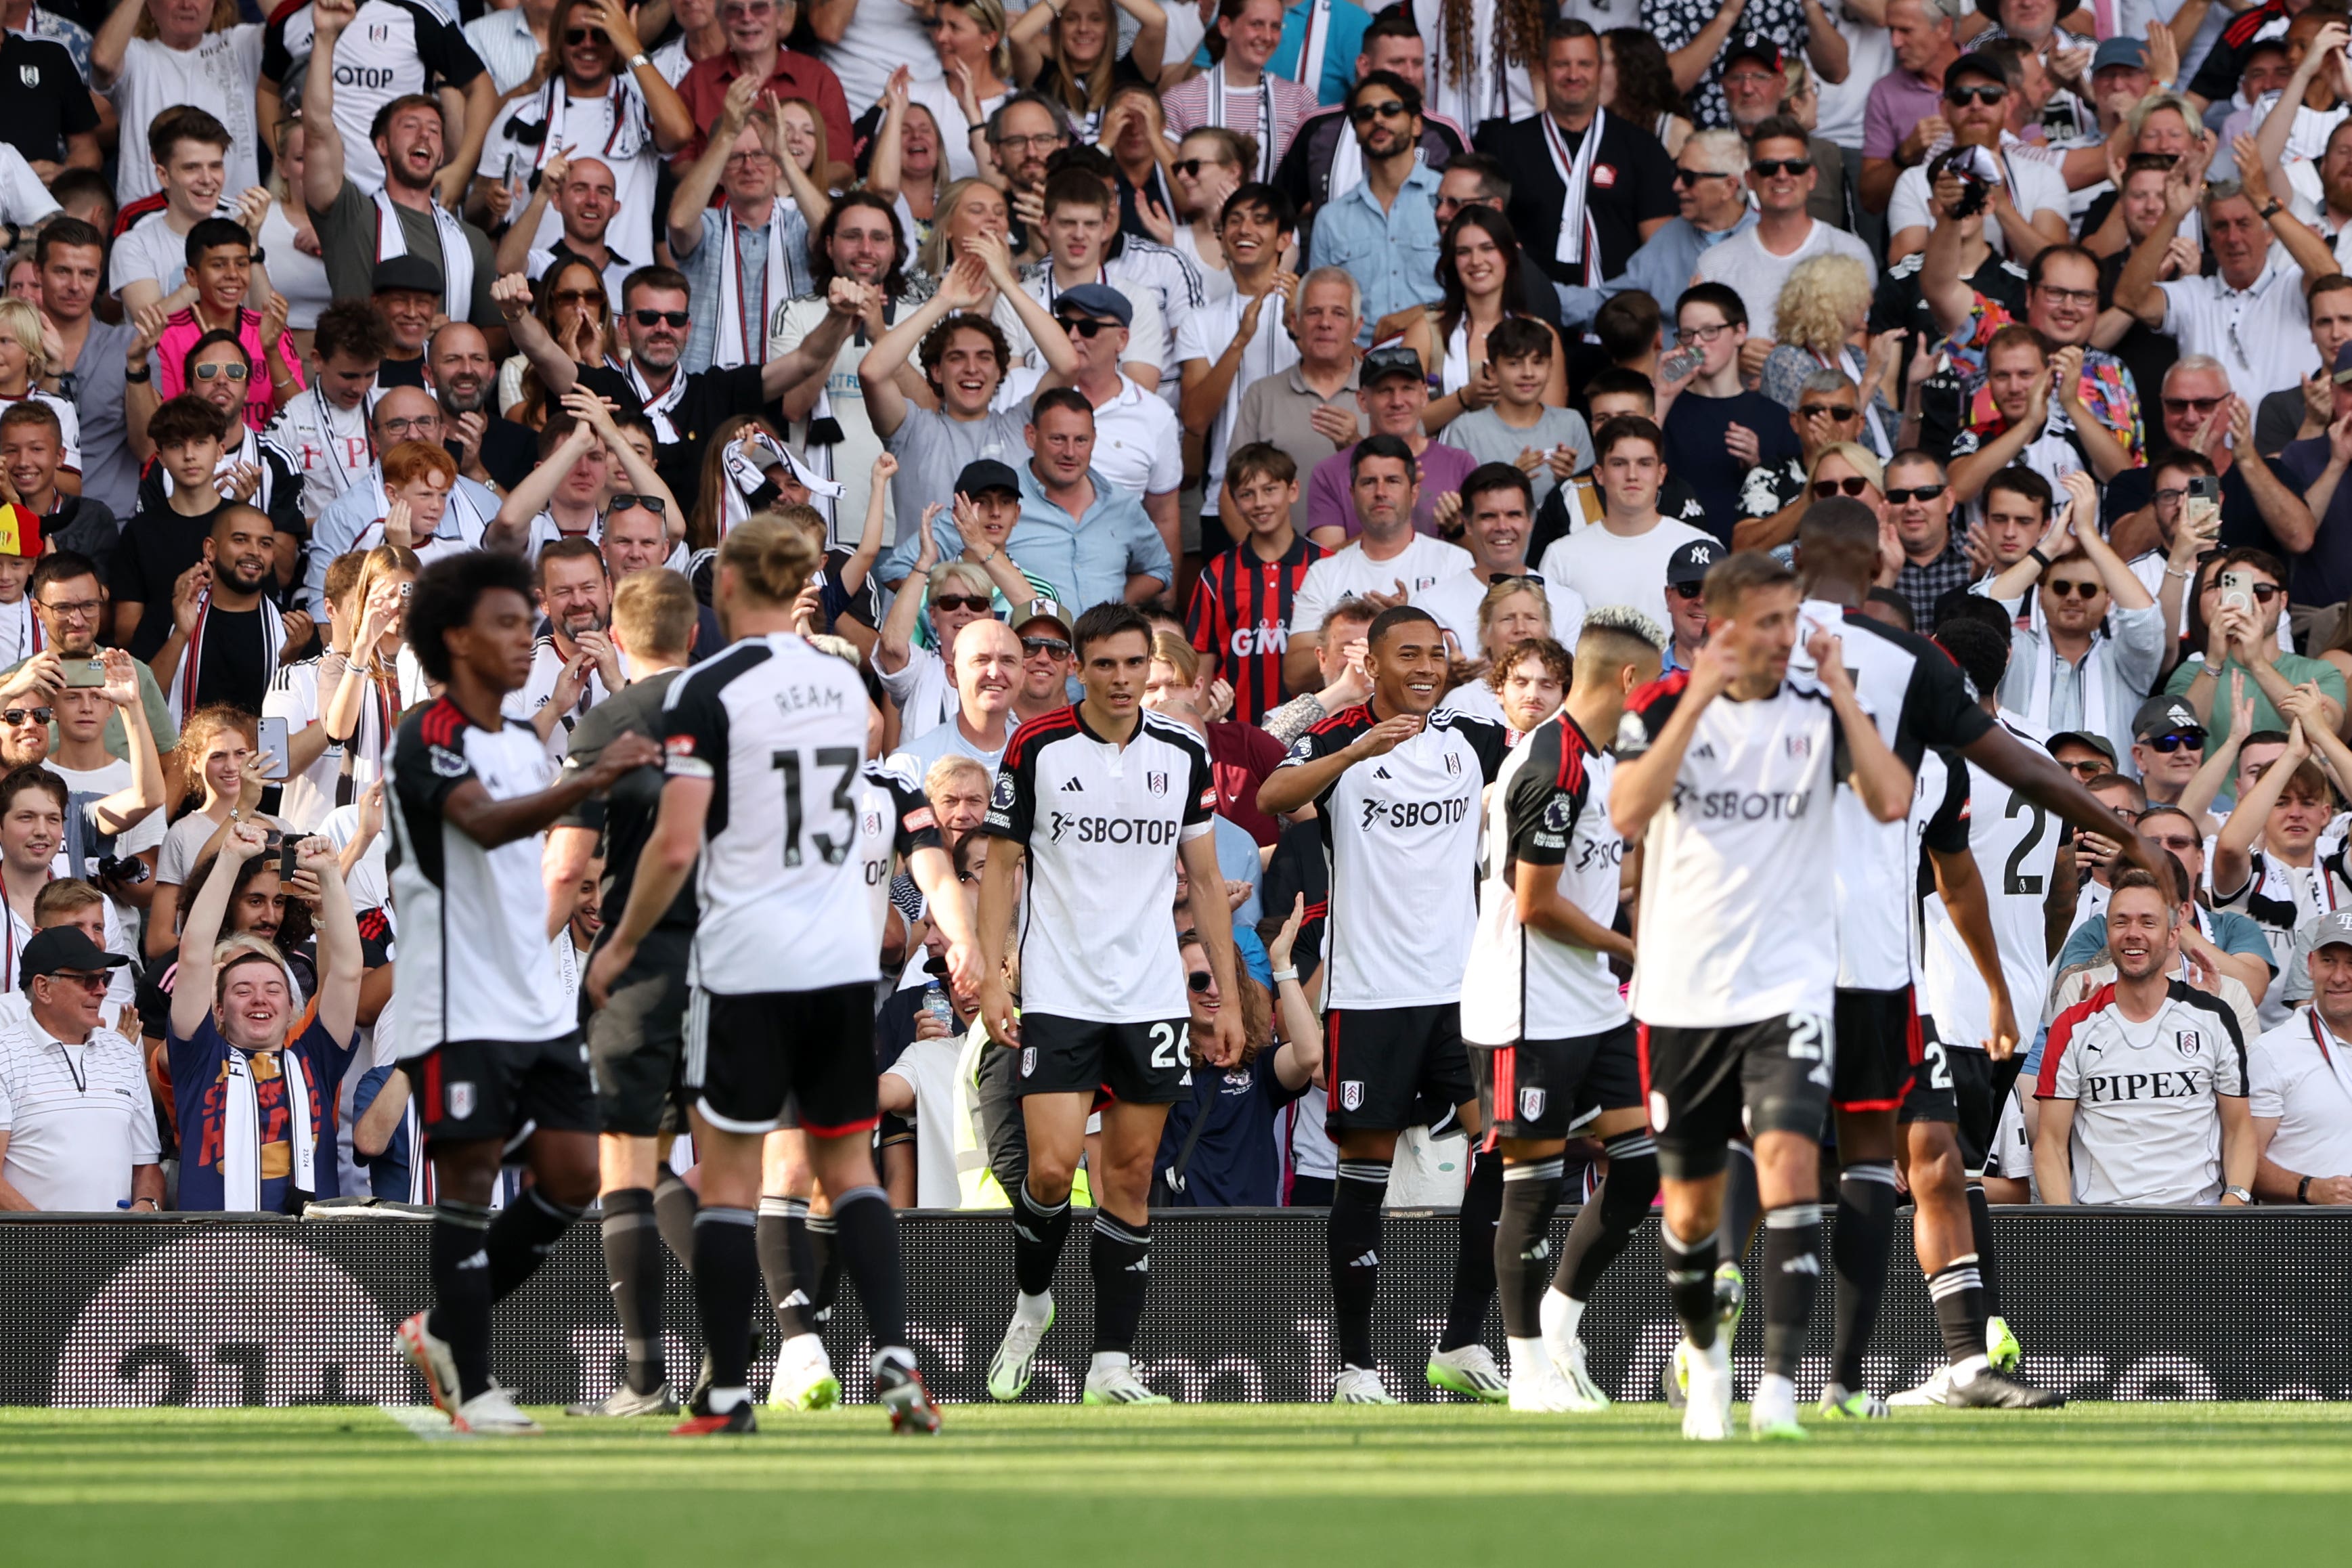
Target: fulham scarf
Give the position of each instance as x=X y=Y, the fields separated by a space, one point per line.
x=743 y=321
x=1311 y=47
x=1265 y=115
x=657 y=410
x=181 y=695
x=1577 y=237
x=457 y=255
x=2092 y=672
x=20 y=632
x=241 y=1130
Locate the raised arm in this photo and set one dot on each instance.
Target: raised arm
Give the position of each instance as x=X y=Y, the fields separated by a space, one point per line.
x=886 y=166
x=557 y=370
x=1690 y=63
x=1053 y=342
x=2136 y=289
x=322 y=144
x=965 y=286
x=699 y=181
x=592 y=411
x=108 y=49
x=895 y=644
x=145 y=793
x=341 y=962
x=513 y=254
x=2234 y=847
x=1206 y=387
x=192 y=987
x=2316 y=255
x=812 y=358
x=536 y=488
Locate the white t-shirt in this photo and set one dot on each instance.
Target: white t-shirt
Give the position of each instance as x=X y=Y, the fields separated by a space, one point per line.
x=1139 y=445
x=219 y=74
x=924 y=691
x=586 y=124
x=850 y=464
x=2148 y=1120
x=1455 y=601
x=2301 y=1076
x=1744 y=263
x=23 y=200
x=1344 y=573
x=2262 y=335
x=1615 y=569
x=1869 y=54
x=929 y=1068
x=877 y=40
x=2036 y=188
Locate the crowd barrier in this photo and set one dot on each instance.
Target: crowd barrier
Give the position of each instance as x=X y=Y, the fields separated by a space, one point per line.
x=2110 y=1304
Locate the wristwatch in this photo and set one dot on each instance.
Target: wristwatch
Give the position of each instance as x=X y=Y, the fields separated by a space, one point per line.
x=640 y=59
x=2239 y=1194
x=1279 y=975
x=2303 y=1191
x=141 y=376
x=2273 y=210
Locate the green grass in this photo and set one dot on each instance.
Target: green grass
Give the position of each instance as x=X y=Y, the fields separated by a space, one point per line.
x=1201 y=1486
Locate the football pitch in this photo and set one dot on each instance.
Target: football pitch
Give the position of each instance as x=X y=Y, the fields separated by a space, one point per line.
x=1201 y=1485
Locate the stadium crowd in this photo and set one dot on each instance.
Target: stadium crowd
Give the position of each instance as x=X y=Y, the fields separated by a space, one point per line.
x=1263 y=320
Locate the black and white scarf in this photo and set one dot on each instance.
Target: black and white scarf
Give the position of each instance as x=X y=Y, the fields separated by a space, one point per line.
x=181 y=695
x=1216 y=112
x=241 y=1128
x=657 y=410
x=1577 y=235
x=743 y=336
x=457 y=255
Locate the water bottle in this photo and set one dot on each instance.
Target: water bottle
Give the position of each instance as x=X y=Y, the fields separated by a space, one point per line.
x=936 y=1002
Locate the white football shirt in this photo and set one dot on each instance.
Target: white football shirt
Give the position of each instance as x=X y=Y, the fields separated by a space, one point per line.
x=2147 y=1118
x=2015 y=842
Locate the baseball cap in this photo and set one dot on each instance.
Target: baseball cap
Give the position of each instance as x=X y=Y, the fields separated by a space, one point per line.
x=2166 y=716
x=2334 y=927
x=2099 y=744
x=1752 y=45
x=1097 y=300
x=1388 y=362
x=1691 y=563
x=1042 y=610
x=985 y=474
x=20 y=531
x=61 y=948
x=2129 y=52
x=1976 y=63
x=2343 y=367
x=412 y=273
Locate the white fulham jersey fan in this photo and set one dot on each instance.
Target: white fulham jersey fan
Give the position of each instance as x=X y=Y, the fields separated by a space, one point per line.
x=1549 y=807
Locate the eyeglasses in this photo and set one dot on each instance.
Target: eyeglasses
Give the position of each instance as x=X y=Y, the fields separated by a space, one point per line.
x=214 y=372
x=623 y=499
x=82 y=607
x=1701 y=334
x=755 y=155
x=1054 y=645
x=2069 y=296
x=421 y=424
x=1852 y=484
x=1200 y=979
x=1687 y=591
x=974 y=602
x=1748 y=79
x=1834 y=410
x=1531 y=579
x=1082 y=326
x=1765 y=168
x=1046 y=139
x=2180 y=844
x=2064 y=590
x=1917 y=492
x=1693 y=176
x=1190 y=167
x=576 y=297
x=2168 y=745
x=655 y=317
x=16 y=716
x=1365 y=113
x=2194 y=405
x=90 y=982
x=1979 y=92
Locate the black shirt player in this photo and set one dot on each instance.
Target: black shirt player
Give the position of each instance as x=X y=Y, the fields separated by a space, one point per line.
x=765 y=744
x=486 y=1032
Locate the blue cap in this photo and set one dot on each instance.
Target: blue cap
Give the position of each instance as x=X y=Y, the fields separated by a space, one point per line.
x=1097 y=300
x=2131 y=52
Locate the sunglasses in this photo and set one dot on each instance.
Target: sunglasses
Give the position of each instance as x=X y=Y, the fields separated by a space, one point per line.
x=1365 y=113
x=2193 y=405
x=2264 y=592
x=655 y=317
x=1980 y=92
x=576 y=297
x=623 y=499
x=2089 y=767
x=214 y=372
x=16 y=716
x=90 y=982
x=1767 y=168
x=1496 y=579
x=1686 y=590
x=1190 y=167
x=1693 y=176
x=1852 y=484
x=2064 y=590
x=1918 y=492
x=2168 y=745
x=2182 y=844
x=581 y=35
x=976 y=601
x=1834 y=410
x=1083 y=326
x=1054 y=645
x=1200 y=979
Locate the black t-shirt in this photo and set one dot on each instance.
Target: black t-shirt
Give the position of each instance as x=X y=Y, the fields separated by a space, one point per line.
x=1696 y=432
x=1633 y=182
x=158 y=546
x=509 y=451
x=395 y=373
x=1233 y=1163
x=232 y=669
x=1900 y=303
x=1297 y=867
x=47 y=100
x=625 y=815
x=711 y=395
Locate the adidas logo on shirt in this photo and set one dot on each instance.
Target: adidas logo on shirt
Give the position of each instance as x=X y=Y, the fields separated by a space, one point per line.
x=1074 y=787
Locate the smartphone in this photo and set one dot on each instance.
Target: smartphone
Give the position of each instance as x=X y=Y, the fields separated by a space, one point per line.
x=2204 y=487
x=287 y=856
x=404 y=587
x=273 y=740
x=2238 y=589
x=84 y=671
x=1679 y=364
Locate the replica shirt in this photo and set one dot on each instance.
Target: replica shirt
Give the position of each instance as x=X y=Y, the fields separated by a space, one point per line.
x=1739 y=874
x=1549 y=807
x=473 y=920
x=1401 y=838
x=1241 y=612
x=894 y=820
x=1915 y=694
x=2015 y=842
x=779 y=730
x=2147 y=1119
x=1101 y=822
x=390 y=49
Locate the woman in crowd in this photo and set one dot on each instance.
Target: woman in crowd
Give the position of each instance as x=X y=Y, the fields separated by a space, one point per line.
x=1514 y=610
x=908 y=167
x=290 y=242
x=1135 y=133
x=1070 y=53
x=363 y=695
x=975 y=71
x=1478 y=268
x=574 y=308
x=1637 y=86
x=24 y=363
x=1211 y=164
x=805 y=144
x=1823 y=317
x=220 y=755
x=24 y=279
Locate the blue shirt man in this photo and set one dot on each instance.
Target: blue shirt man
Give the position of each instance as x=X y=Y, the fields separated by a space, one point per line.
x=1088 y=556
x=1383 y=230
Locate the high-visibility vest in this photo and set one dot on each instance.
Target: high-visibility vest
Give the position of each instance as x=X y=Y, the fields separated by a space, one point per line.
x=977 y=1185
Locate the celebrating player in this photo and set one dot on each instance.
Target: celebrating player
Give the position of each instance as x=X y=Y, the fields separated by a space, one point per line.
x=1726 y=780
x=1395 y=784
x=1552 y=1046
x=1102 y=800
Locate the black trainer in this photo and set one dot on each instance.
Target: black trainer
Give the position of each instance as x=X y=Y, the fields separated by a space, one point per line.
x=1989 y=1390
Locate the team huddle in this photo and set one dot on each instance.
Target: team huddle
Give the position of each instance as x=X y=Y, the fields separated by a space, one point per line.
x=1775 y=841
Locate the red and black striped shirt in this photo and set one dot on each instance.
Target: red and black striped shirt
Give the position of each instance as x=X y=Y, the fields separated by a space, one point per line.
x=1241 y=612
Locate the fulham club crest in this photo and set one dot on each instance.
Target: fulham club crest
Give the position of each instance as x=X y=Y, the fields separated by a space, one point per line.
x=1028 y=1061
x=1351 y=1094
x=1157 y=782
x=1531 y=1104
x=2187 y=1042
x=460 y=1097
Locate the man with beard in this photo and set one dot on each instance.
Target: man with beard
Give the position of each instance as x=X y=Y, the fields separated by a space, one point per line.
x=656 y=319
x=574 y=662
x=584 y=194
x=226 y=639
x=1324 y=164
x=357 y=227
x=490 y=449
x=71 y=256
x=1384 y=229
x=404 y=49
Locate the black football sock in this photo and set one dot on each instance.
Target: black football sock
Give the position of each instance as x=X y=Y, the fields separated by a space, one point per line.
x=1605 y=1224
x=825 y=1257
x=1860 y=1245
x=1119 y=1258
x=633 y=1261
x=1741 y=1204
x=1523 y=1242
x=1980 y=1236
x=1792 y=1273
x=1690 y=1283
x=673 y=1207
x=1355 y=1243
x=522 y=1235
x=461 y=1291
x=784 y=1264
x=865 y=1239
x=1958 y=1290
x=1038 y=1235
x=726 y=1288
x=1473 y=1253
